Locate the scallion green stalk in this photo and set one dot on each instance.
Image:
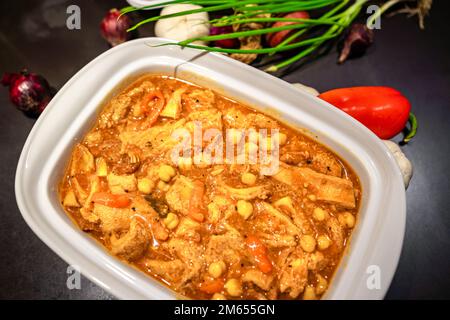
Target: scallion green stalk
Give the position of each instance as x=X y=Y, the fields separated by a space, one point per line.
x=315 y=32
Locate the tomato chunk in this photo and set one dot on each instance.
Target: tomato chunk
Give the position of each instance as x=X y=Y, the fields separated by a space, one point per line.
x=111 y=200
x=260 y=253
x=196 y=208
x=212 y=286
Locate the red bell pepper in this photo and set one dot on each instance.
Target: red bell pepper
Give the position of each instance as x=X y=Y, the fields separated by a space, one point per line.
x=383 y=110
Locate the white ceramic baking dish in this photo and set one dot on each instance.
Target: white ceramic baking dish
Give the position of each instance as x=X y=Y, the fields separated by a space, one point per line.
x=377 y=238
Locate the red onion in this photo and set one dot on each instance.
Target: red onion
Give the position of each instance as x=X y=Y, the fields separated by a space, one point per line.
x=358 y=38
x=275 y=38
x=114 y=29
x=224 y=43
x=29 y=92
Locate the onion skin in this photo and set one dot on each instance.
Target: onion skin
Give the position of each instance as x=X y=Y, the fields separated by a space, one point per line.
x=29 y=92
x=224 y=43
x=114 y=29
x=275 y=38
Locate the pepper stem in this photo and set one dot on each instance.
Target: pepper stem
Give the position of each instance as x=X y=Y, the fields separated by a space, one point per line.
x=413 y=128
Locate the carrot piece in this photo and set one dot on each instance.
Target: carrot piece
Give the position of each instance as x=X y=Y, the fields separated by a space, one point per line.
x=212 y=286
x=111 y=200
x=196 y=207
x=260 y=253
x=154 y=111
x=197 y=216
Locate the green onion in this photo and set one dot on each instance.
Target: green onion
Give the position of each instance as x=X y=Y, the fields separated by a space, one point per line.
x=300 y=32
x=315 y=32
x=242 y=34
x=303 y=21
x=379 y=12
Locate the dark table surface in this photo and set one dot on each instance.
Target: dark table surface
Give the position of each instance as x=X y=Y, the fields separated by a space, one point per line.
x=33 y=35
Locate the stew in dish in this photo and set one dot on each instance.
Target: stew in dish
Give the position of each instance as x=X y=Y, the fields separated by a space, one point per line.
x=211 y=225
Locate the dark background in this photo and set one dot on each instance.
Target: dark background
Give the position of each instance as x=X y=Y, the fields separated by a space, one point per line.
x=33 y=35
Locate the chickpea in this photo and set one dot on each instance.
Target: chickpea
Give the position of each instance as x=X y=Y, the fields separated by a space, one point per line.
x=322 y=284
x=216 y=269
x=244 y=208
x=308 y=243
x=309 y=294
x=297 y=264
x=171 y=221
x=323 y=242
x=145 y=185
x=253 y=136
x=218 y=296
x=347 y=219
x=233 y=287
x=166 y=173
x=316 y=260
x=350 y=220
x=312 y=197
x=163 y=186
x=235 y=135
x=185 y=163
x=282 y=138
x=251 y=148
x=269 y=143
x=319 y=214
x=248 y=178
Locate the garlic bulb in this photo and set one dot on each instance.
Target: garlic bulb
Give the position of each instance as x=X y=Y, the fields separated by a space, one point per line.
x=183 y=27
x=404 y=164
x=306 y=89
